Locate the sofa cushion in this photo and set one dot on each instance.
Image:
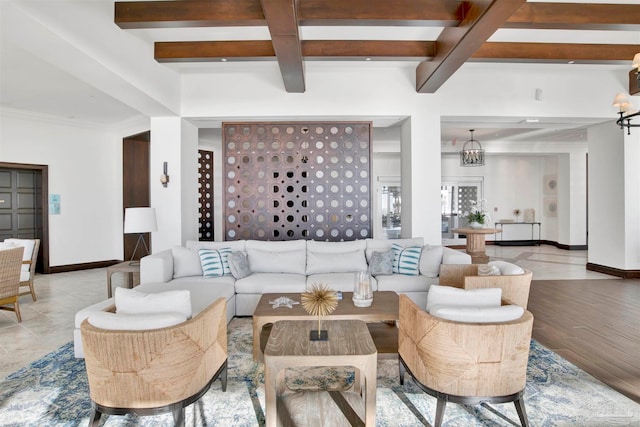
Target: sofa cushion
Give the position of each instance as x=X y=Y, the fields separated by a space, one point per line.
x=239 y=264
x=265 y=261
x=402 y=283
x=507 y=268
x=406 y=260
x=450 y=296
x=343 y=282
x=381 y=263
x=504 y=313
x=186 y=262
x=338 y=262
x=134 y=322
x=430 y=260
x=273 y=283
x=336 y=247
x=131 y=301
x=214 y=262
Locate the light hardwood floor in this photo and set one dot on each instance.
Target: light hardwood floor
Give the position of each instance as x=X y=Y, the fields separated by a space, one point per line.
x=589 y=318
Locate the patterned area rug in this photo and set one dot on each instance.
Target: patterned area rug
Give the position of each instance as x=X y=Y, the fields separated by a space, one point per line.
x=53 y=391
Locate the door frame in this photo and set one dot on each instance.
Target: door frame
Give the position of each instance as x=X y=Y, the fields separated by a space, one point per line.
x=42 y=179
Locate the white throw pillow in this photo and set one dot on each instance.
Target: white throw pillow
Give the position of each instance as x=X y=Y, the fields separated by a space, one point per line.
x=504 y=313
x=507 y=268
x=214 y=262
x=186 y=262
x=28 y=245
x=430 y=260
x=340 y=262
x=277 y=262
x=130 y=301
x=450 y=296
x=134 y=322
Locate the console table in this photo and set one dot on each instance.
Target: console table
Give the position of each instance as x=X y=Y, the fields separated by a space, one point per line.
x=123 y=267
x=533 y=241
x=475 y=243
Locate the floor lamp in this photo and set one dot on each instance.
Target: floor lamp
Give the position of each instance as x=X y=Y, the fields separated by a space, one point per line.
x=140 y=221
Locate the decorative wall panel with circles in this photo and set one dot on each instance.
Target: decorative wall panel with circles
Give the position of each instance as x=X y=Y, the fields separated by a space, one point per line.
x=205 y=194
x=285 y=181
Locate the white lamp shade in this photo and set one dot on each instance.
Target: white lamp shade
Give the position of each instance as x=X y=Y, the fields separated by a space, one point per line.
x=140 y=220
x=636 y=61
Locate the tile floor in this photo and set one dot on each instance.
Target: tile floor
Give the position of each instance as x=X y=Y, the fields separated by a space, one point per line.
x=48 y=323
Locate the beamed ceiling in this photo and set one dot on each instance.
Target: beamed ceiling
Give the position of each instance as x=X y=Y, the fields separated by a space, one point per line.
x=464 y=28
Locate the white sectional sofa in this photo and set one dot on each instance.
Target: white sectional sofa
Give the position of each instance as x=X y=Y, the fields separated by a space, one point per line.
x=286 y=267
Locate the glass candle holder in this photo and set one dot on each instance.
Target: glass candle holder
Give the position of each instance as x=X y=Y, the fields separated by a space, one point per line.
x=362 y=290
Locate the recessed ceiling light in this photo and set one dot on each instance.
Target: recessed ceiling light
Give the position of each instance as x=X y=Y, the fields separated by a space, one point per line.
x=367 y=58
x=223 y=59
x=532 y=120
x=571 y=62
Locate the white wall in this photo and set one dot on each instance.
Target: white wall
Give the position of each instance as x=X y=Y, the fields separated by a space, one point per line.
x=85 y=169
x=614 y=199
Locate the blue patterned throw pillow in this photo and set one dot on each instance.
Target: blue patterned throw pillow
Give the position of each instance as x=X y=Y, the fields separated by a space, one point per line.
x=214 y=262
x=406 y=260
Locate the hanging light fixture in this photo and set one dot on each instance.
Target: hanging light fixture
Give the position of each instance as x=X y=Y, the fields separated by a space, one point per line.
x=626 y=110
x=472 y=153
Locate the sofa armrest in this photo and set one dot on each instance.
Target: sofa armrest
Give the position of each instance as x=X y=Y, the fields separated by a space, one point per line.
x=157 y=267
x=452 y=256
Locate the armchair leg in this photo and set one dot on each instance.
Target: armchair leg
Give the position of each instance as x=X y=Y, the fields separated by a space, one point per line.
x=402 y=370
x=16 y=308
x=522 y=413
x=437 y=422
x=178 y=415
x=223 y=377
x=94 y=419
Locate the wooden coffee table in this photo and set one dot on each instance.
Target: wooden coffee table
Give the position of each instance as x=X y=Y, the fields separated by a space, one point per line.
x=383 y=308
x=349 y=344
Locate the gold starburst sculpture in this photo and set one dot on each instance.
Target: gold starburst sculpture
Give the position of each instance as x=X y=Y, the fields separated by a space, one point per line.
x=320 y=300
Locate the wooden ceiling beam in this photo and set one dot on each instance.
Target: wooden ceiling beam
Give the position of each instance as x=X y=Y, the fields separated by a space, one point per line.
x=188 y=13
x=202 y=51
x=456 y=45
x=576 y=16
x=282 y=20
x=368 y=49
x=444 y=13
x=555 y=52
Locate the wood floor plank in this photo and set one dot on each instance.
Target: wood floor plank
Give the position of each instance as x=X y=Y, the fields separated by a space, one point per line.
x=595 y=324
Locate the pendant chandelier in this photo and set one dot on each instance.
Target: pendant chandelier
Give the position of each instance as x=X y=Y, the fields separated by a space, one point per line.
x=472 y=153
x=626 y=110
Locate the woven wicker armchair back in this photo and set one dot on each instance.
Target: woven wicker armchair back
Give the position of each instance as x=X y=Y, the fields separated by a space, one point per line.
x=515 y=288
x=10 y=265
x=159 y=370
x=464 y=363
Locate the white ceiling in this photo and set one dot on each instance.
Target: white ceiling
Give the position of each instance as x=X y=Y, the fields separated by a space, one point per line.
x=32 y=82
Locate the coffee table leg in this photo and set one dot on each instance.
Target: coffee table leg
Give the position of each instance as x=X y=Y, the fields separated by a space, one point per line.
x=370 y=391
x=357 y=381
x=258 y=356
x=270 y=395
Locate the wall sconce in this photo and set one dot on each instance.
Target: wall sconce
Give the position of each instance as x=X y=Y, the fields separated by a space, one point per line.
x=164 y=178
x=626 y=110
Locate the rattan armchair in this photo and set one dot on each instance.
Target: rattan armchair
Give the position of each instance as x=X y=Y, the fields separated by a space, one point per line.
x=466 y=363
x=154 y=371
x=10 y=264
x=515 y=288
x=29 y=260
